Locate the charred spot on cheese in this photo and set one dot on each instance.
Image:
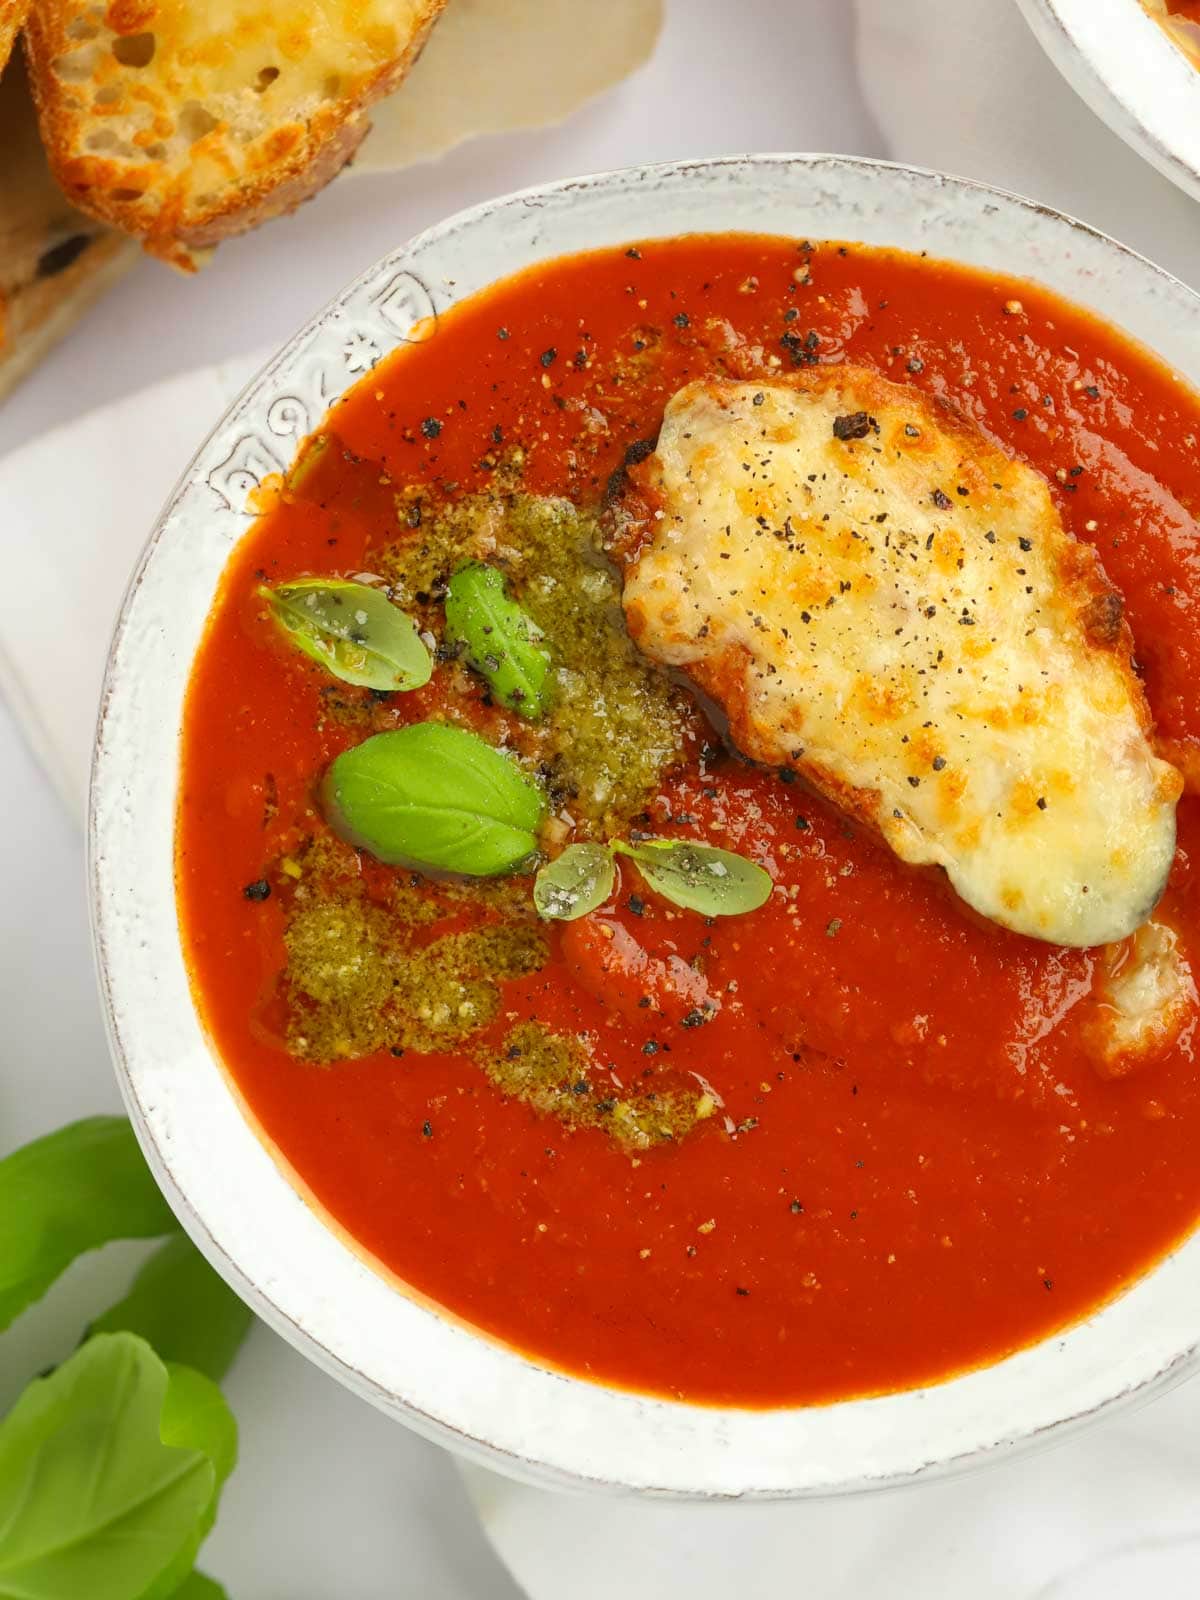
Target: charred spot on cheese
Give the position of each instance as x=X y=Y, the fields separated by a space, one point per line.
x=856 y=426
x=952 y=668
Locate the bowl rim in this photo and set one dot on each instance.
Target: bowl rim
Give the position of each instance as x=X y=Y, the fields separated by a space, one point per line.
x=1122 y=64
x=542 y=1430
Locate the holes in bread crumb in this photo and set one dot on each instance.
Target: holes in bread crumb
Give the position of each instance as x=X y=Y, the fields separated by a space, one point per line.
x=155 y=152
x=79 y=66
x=265 y=79
x=108 y=96
x=107 y=141
x=127 y=196
x=135 y=49
x=194 y=121
x=332 y=87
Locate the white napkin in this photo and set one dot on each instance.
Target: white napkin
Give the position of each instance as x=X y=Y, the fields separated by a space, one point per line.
x=75 y=506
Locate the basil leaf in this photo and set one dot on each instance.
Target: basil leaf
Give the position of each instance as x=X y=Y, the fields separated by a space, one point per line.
x=110 y=1473
x=67 y=1193
x=433 y=795
x=575 y=883
x=195 y=1416
x=500 y=640
x=197 y=1587
x=699 y=877
x=354 y=631
x=183 y=1309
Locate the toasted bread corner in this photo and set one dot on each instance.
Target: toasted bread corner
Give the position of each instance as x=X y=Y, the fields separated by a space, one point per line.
x=12 y=15
x=182 y=135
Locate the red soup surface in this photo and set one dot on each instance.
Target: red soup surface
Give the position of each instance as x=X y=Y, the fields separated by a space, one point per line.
x=846 y=1143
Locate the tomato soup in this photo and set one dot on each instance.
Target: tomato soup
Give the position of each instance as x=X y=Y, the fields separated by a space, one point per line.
x=848 y=1140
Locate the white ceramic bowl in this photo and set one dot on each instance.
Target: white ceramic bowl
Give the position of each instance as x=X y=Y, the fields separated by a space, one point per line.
x=1126 y=68
x=299 y=1275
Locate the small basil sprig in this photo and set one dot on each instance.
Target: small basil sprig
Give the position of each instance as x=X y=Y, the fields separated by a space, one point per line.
x=498 y=638
x=574 y=883
x=354 y=631
x=433 y=795
x=698 y=877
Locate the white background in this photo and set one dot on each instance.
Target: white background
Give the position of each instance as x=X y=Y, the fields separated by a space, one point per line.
x=331 y=1500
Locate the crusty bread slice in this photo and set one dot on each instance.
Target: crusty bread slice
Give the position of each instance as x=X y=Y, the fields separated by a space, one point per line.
x=12 y=15
x=53 y=260
x=185 y=121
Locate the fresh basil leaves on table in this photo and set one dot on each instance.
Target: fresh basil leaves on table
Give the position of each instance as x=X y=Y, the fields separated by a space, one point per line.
x=184 y=1309
x=68 y=1193
x=110 y=1473
x=197 y=1587
x=112 y=1464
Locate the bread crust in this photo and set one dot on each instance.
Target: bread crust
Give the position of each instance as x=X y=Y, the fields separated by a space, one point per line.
x=12 y=16
x=154 y=199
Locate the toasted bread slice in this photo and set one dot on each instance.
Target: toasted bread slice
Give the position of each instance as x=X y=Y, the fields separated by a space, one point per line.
x=53 y=260
x=12 y=15
x=183 y=122
x=883 y=601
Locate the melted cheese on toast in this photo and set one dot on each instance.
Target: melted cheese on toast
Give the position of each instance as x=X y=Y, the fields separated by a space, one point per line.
x=881 y=599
